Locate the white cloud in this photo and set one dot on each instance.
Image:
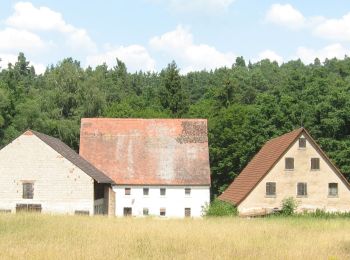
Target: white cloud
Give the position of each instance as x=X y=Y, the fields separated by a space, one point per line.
x=334 y=29
x=29 y=17
x=135 y=57
x=285 y=15
x=271 y=55
x=179 y=45
x=308 y=55
x=19 y=40
x=198 y=6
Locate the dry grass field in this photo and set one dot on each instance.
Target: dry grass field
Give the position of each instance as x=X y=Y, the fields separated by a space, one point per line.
x=30 y=236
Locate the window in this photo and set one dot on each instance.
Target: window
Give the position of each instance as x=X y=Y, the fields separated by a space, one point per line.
x=315 y=163
x=127 y=212
x=28 y=207
x=302 y=142
x=270 y=188
x=162 y=191
x=81 y=212
x=145 y=191
x=289 y=163
x=127 y=191
x=302 y=189
x=187 y=191
x=187 y=212
x=145 y=211
x=333 y=189
x=162 y=212
x=28 y=190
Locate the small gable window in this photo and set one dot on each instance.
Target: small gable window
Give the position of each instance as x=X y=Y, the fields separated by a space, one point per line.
x=302 y=142
x=315 y=163
x=28 y=190
x=289 y=163
x=270 y=188
x=333 y=189
x=127 y=191
x=145 y=191
x=187 y=191
x=302 y=189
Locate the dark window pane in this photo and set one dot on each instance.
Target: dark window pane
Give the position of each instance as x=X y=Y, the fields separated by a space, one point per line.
x=333 y=189
x=187 y=212
x=127 y=191
x=302 y=142
x=302 y=189
x=289 y=163
x=162 y=212
x=162 y=191
x=145 y=211
x=28 y=190
x=315 y=163
x=271 y=188
x=145 y=191
x=187 y=191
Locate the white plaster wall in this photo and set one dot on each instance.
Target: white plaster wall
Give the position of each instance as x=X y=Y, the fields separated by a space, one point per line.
x=175 y=201
x=59 y=186
x=286 y=184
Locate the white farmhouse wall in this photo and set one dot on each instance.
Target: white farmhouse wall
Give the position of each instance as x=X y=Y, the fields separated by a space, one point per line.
x=286 y=184
x=59 y=186
x=175 y=201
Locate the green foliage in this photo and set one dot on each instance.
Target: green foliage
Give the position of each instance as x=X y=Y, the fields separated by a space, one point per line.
x=245 y=104
x=289 y=206
x=219 y=208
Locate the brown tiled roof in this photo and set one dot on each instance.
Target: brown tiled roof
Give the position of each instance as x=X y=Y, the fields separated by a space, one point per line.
x=73 y=157
x=148 y=151
x=258 y=167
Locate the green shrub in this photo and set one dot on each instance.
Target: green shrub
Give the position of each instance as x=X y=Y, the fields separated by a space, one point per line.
x=289 y=205
x=220 y=208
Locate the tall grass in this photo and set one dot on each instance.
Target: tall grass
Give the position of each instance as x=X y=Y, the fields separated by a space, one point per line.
x=30 y=236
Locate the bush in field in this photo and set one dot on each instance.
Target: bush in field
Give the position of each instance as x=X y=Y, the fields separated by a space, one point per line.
x=289 y=205
x=220 y=208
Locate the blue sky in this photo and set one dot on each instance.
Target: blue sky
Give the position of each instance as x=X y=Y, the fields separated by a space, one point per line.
x=197 y=34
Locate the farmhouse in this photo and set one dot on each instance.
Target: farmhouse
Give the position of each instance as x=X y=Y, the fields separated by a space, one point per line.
x=291 y=165
x=41 y=173
x=159 y=166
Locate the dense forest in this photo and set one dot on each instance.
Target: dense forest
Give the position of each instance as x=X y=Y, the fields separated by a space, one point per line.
x=245 y=105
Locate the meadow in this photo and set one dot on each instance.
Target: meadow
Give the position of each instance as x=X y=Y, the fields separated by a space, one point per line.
x=31 y=236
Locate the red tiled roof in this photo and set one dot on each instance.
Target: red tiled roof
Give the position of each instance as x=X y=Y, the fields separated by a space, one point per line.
x=258 y=167
x=148 y=151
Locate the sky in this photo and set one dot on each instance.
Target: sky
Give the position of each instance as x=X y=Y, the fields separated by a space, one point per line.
x=149 y=34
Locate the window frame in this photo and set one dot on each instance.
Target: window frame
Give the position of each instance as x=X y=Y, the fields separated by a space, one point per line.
x=161 y=193
x=145 y=210
x=329 y=189
x=162 y=212
x=305 y=192
x=143 y=191
x=303 y=139
x=26 y=192
x=186 y=212
x=187 y=194
x=315 y=159
x=267 y=188
x=286 y=159
x=127 y=191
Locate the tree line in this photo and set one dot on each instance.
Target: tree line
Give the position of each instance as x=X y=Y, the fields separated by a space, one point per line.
x=245 y=104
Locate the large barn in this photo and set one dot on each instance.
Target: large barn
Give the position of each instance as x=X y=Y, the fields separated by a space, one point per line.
x=41 y=173
x=159 y=166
